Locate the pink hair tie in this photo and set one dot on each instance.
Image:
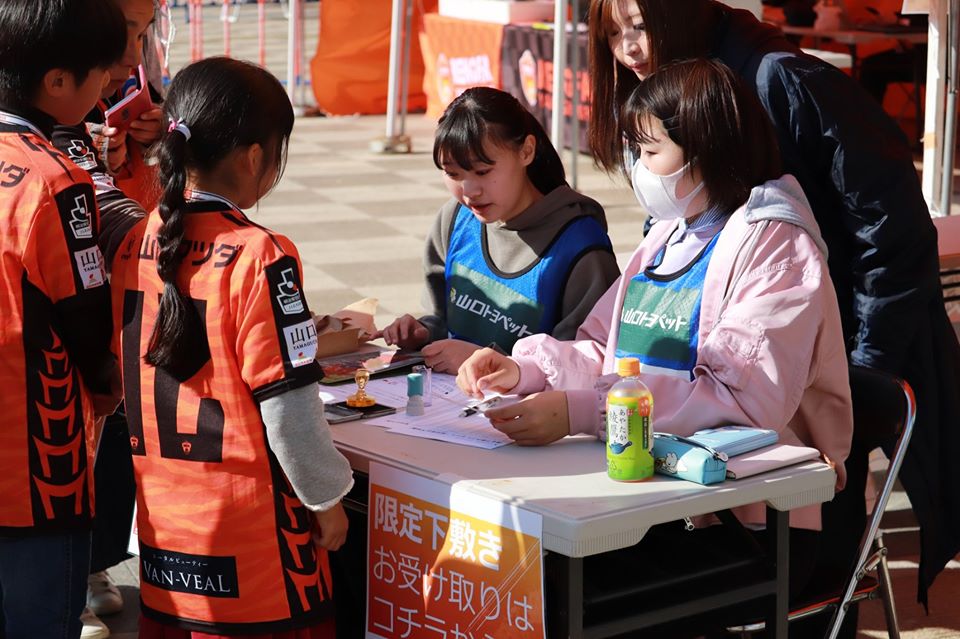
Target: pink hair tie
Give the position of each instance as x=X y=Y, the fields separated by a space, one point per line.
x=179 y=125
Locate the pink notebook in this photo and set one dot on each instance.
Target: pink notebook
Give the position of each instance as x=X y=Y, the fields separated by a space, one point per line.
x=769 y=458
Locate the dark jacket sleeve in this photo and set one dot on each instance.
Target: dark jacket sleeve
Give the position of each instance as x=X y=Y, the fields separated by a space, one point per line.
x=118 y=213
x=857 y=170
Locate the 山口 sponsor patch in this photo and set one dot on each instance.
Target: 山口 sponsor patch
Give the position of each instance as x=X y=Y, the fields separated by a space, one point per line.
x=301 y=342
x=90 y=266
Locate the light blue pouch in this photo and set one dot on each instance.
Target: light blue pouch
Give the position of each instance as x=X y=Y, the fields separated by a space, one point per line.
x=735 y=440
x=688 y=459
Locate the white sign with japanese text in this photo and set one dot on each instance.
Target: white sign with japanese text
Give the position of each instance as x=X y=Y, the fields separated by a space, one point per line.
x=445 y=563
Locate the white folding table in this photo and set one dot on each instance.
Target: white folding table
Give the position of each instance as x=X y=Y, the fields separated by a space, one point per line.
x=584 y=513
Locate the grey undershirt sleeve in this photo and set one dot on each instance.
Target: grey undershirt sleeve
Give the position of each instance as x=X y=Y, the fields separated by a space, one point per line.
x=298 y=434
x=434 y=267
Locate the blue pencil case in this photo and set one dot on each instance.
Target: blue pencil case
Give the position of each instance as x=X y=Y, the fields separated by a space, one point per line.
x=735 y=440
x=688 y=459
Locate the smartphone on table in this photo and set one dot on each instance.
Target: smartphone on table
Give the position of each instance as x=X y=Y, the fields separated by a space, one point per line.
x=339 y=412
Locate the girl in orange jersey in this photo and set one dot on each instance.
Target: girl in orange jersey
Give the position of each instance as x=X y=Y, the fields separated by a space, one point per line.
x=239 y=484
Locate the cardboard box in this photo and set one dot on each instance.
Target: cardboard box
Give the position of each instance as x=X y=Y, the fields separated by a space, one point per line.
x=344 y=331
x=337 y=342
x=499 y=11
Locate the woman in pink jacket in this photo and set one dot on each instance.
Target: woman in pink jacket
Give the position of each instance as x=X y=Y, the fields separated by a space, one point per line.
x=727 y=301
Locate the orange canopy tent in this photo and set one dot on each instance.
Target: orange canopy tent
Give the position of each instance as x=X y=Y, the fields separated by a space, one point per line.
x=350 y=68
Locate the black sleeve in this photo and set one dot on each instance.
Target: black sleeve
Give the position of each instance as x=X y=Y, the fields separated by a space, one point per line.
x=860 y=170
x=118 y=213
x=117 y=217
x=84 y=319
x=88 y=341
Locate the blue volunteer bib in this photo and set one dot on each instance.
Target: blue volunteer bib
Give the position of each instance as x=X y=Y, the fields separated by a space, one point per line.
x=660 y=317
x=486 y=305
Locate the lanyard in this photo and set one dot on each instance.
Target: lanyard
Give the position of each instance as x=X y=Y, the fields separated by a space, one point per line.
x=16 y=120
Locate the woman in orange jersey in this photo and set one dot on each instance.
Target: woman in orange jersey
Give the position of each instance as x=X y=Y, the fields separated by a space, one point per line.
x=239 y=485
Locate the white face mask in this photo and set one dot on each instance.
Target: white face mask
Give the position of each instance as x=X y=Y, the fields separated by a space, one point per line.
x=658 y=193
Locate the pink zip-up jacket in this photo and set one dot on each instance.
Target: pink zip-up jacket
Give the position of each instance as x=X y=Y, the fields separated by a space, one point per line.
x=771 y=351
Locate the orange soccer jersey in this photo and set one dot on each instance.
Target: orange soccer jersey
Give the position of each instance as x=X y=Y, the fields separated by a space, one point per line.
x=54 y=305
x=138 y=180
x=225 y=544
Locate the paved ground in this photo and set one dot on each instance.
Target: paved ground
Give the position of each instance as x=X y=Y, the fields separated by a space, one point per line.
x=359 y=220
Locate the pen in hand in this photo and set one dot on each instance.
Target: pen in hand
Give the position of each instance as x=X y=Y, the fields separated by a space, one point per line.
x=479 y=407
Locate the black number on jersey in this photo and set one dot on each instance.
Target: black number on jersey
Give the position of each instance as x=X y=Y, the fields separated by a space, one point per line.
x=206 y=445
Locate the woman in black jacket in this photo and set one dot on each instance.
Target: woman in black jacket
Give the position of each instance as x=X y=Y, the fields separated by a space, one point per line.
x=856 y=168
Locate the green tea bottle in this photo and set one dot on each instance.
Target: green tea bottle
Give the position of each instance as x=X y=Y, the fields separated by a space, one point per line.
x=629 y=425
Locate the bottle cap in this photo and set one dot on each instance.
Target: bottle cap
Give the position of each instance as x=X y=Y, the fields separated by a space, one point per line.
x=628 y=367
x=414 y=384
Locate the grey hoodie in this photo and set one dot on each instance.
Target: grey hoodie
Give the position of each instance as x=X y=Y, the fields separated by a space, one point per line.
x=516 y=244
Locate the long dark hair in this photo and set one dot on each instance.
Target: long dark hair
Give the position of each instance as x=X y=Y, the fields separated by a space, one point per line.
x=226 y=104
x=481 y=113
x=719 y=123
x=676 y=29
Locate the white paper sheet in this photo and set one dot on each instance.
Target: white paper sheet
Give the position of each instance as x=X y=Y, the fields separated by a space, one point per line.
x=441 y=420
x=477 y=436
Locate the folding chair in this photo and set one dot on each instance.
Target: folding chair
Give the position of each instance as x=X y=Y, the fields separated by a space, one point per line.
x=884 y=410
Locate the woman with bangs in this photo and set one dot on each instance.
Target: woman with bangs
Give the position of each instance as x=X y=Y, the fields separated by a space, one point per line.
x=515 y=251
x=727 y=302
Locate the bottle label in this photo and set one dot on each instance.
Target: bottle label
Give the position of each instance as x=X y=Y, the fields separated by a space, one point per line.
x=629 y=438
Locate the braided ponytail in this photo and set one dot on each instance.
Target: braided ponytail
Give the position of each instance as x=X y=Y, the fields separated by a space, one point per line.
x=215 y=106
x=178 y=337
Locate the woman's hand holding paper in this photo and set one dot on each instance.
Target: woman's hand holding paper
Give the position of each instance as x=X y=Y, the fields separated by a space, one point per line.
x=536 y=421
x=487 y=371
